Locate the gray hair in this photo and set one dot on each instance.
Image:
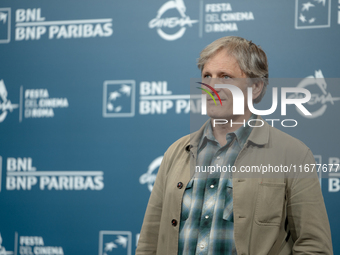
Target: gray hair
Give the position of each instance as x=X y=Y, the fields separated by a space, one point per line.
x=250 y=57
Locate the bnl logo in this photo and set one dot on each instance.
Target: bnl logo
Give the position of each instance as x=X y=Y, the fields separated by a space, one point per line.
x=119 y=98
x=115 y=242
x=5 y=25
x=312 y=14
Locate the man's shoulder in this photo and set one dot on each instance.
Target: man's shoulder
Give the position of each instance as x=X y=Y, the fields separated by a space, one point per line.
x=282 y=143
x=285 y=139
x=277 y=143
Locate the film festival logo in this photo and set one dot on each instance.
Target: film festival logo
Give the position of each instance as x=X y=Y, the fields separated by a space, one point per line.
x=119 y=99
x=150 y=176
x=165 y=24
x=5 y=104
x=312 y=14
x=5 y=25
x=115 y=242
x=322 y=98
x=3 y=250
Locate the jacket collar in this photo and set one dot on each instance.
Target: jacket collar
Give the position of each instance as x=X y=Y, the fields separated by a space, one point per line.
x=259 y=136
x=194 y=140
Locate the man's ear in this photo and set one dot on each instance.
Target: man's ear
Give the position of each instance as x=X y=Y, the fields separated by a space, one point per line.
x=257 y=87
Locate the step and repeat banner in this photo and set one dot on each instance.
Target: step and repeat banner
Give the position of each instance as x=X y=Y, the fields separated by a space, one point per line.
x=92 y=93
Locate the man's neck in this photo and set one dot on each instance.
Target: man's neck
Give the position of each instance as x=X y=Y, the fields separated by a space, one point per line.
x=220 y=131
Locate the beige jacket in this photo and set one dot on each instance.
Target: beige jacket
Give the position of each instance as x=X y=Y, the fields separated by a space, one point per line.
x=276 y=215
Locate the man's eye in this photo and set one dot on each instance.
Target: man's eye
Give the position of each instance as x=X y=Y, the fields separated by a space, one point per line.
x=207 y=76
x=226 y=77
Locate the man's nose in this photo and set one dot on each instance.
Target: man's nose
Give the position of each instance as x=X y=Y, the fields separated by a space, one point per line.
x=213 y=82
x=210 y=86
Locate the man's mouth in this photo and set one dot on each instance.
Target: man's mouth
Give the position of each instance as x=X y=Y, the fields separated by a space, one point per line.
x=216 y=99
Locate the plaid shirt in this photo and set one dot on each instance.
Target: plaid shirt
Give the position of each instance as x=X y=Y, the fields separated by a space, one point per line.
x=207 y=224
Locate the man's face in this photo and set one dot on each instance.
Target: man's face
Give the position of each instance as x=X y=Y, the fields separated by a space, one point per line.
x=223 y=69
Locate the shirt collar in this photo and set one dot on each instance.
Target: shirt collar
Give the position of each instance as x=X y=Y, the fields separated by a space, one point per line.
x=259 y=136
x=241 y=133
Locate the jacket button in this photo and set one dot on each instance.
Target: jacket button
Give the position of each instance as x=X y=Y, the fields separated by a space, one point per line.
x=174 y=222
x=180 y=185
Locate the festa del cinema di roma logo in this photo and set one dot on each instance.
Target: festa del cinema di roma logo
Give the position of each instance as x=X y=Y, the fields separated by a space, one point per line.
x=172 y=22
x=322 y=99
x=5 y=104
x=150 y=176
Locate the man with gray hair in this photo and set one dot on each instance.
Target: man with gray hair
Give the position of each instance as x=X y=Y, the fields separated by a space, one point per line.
x=193 y=212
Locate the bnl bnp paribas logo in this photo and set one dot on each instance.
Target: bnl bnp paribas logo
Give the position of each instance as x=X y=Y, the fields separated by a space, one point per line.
x=115 y=242
x=5 y=104
x=30 y=24
x=155 y=98
x=171 y=21
x=5 y=25
x=119 y=98
x=312 y=14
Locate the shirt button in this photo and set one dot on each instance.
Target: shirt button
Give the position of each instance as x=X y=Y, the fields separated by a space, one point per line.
x=218 y=157
x=202 y=246
x=212 y=186
x=174 y=222
x=180 y=185
x=206 y=216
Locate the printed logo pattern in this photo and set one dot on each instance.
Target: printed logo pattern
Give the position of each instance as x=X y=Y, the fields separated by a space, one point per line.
x=150 y=176
x=5 y=25
x=163 y=24
x=119 y=99
x=312 y=14
x=317 y=98
x=115 y=242
x=3 y=250
x=5 y=104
